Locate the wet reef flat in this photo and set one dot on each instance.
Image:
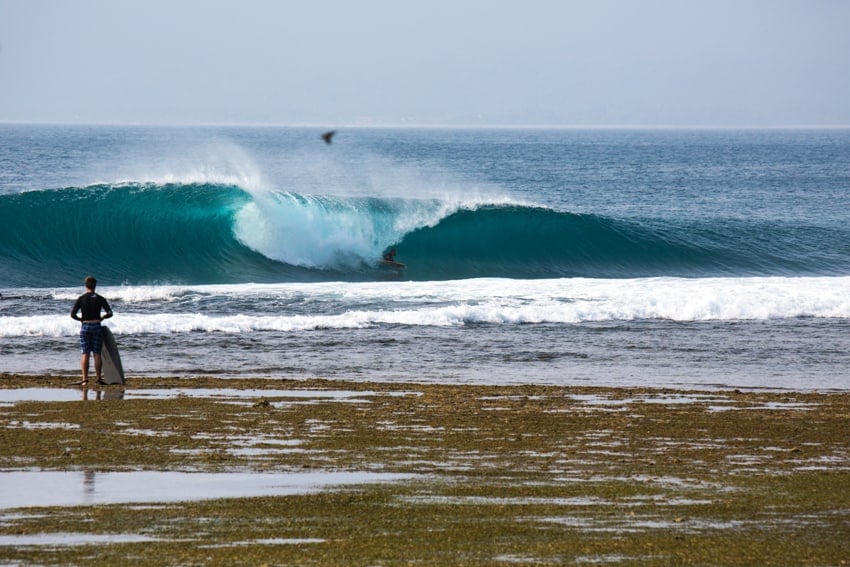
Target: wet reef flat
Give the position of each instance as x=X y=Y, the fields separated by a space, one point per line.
x=319 y=472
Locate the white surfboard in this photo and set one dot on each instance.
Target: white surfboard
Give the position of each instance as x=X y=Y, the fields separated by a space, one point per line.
x=113 y=370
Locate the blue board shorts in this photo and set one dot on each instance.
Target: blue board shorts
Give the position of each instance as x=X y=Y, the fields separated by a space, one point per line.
x=91 y=338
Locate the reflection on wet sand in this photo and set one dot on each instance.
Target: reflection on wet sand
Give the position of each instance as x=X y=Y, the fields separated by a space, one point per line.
x=98 y=394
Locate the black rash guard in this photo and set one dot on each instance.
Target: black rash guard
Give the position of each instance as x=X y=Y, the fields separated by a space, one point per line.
x=91 y=305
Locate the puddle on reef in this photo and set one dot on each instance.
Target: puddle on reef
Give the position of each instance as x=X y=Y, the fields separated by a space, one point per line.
x=11 y=396
x=86 y=488
x=69 y=539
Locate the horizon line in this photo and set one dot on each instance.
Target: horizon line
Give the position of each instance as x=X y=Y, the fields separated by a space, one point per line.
x=446 y=126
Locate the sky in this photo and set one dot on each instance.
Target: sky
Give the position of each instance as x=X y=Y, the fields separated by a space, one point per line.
x=704 y=63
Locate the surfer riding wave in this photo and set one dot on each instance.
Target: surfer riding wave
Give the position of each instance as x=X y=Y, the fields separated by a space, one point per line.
x=388 y=259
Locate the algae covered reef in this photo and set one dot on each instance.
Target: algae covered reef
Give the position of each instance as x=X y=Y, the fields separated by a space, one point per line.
x=475 y=475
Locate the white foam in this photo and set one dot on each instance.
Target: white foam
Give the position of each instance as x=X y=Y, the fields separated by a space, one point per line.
x=456 y=303
x=342 y=208
x=334 y=232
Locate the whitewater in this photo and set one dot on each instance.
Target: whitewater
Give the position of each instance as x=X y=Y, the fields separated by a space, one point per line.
x=679 y=258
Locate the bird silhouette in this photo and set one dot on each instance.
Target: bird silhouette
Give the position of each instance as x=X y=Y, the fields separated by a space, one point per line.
x=327 y=136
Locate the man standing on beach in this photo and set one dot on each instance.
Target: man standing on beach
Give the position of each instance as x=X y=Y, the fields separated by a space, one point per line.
x=91 y=334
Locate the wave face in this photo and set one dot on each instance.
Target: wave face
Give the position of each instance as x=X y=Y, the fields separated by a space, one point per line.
x=212 y=233
x=515 y=241
x=129 y=233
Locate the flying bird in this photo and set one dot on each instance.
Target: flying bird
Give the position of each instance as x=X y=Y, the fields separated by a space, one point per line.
x=327 y=136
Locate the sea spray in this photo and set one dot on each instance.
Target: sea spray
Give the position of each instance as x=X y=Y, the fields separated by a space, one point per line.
x=327 y=232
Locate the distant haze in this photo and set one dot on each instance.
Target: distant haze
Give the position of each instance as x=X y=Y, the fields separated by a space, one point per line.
x=434 y=62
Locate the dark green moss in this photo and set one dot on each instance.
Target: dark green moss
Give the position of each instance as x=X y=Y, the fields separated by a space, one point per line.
x=516 y=475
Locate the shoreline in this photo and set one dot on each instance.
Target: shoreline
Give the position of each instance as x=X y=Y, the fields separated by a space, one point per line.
x=10 y=380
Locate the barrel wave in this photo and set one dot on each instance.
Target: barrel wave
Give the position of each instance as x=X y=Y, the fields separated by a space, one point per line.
x=209 y=233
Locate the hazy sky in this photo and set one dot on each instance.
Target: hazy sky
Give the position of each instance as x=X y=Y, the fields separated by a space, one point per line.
x=470 y=62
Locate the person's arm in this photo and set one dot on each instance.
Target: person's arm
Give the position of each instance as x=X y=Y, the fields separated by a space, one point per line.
x=107 y=309
x=75 y=309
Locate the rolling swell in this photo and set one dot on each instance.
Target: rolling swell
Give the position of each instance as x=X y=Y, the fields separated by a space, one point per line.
x=196 y=234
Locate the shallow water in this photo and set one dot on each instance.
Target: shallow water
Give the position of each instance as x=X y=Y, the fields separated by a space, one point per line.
x=87 y=488
x=12 y=396
x=68 y=539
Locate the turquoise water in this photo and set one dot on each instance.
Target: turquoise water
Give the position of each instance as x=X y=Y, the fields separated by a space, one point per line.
x=564 y=256
x=456 y=204
x=202 y=233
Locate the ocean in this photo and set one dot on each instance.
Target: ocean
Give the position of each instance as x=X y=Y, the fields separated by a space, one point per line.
x=598 y=257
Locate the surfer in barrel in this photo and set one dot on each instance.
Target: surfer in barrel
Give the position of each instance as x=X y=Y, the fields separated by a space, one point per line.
x=388 y=260
x=90 y=309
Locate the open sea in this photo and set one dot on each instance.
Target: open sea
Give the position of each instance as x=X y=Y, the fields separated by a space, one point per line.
x=598 y=257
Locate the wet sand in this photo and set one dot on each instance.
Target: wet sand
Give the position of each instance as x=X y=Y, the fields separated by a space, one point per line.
x=476 y=475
